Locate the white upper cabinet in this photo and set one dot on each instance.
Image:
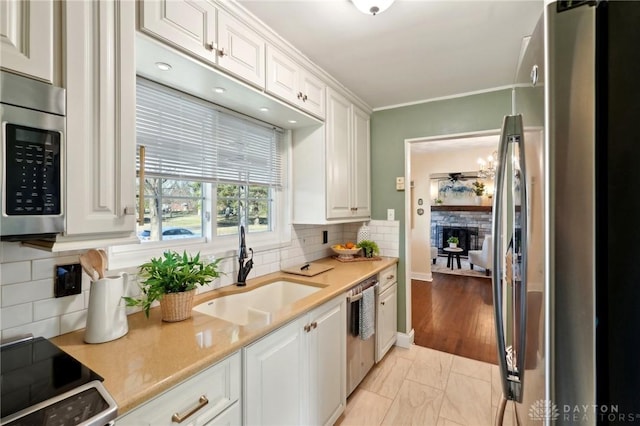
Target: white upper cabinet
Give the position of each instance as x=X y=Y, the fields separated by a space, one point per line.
x=293 y=83
x=331 y=166
x=240 y=49
x=191 y=25
x=348 y=177
x=361 y=162
x=100 y=82
x=211 y=34
x=28 y=42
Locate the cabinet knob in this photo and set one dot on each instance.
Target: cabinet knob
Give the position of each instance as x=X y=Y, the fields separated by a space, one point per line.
x=128 y=211
x=314 y=325
x=382 y=303
x=210 y=46
x=307 y=328
x=299 y=95
x=304 y=98
x=221 y=52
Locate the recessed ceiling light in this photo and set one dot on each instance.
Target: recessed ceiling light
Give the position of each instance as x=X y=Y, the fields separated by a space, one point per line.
x=264 y=109
x=292 y=121
x=163 y=66
x=219 y=90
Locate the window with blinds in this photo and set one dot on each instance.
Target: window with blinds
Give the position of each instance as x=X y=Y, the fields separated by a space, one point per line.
x=198 y=153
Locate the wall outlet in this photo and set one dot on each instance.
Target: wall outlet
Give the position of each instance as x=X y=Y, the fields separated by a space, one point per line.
x=325 y=237
x=391 y=214
x=68 y=280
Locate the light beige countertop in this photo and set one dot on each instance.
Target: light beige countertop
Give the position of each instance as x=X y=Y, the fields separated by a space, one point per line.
x=155 y=355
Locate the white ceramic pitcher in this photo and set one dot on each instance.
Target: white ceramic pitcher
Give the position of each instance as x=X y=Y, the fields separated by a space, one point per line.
x=107 y=316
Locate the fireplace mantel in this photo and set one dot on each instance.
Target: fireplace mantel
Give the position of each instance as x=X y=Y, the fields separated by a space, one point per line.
x=454 y=208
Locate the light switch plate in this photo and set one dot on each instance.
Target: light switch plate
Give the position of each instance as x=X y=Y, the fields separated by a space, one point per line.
x=400 y=183
x=391 y=214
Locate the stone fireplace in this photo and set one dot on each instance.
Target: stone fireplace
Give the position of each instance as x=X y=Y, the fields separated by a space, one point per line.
x=469 y=223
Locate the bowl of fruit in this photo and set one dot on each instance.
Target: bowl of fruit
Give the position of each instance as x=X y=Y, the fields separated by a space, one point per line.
x=346 y=251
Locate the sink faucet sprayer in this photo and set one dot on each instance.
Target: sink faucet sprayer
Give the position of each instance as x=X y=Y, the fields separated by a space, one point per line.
x=243 y=270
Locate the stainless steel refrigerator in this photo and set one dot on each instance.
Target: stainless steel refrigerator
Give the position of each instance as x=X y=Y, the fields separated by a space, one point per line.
x=565 y=276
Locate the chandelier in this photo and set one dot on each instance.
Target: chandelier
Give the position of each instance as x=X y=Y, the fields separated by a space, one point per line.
x=372 y=7
x=488 y=166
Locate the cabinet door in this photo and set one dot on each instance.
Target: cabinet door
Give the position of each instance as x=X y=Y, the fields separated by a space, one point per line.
x=338 y=127
x=189 y=24
x=361 y=178
x=387 y=320
x=27 y=37
x=327 y=363
x=313 y=94
x=240 y=50
x=283 y=75
x=273 y=378
x=100 y=81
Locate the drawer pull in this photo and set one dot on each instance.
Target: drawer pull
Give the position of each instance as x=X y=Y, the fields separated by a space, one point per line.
x=179 y=418
x=390 y=277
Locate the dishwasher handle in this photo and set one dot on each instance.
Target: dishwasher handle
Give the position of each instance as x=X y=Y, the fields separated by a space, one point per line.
x=358 y=296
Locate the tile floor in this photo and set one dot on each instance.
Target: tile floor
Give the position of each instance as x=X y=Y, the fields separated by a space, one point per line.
x=422 y=386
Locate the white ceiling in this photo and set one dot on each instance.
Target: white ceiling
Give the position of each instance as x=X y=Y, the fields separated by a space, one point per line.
x=417 y=50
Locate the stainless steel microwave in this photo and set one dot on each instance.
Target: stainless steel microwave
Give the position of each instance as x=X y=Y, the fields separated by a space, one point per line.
x=32 y=116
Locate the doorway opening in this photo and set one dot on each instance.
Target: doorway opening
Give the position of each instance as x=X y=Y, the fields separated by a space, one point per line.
x=449 y=307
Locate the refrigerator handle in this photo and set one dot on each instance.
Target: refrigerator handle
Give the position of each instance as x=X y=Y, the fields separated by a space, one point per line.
x=510 y=375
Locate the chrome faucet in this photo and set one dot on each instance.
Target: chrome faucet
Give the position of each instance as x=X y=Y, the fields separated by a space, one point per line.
x=244 y=269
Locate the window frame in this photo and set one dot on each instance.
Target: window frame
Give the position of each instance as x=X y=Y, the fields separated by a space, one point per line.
x=133 y=255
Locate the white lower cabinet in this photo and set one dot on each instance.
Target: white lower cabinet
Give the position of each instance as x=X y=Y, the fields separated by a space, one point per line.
x=212 y=397
x=296 y=374
x=387 y=320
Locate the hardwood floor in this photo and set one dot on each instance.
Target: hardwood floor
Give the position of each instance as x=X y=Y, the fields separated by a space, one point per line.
x=454 y=314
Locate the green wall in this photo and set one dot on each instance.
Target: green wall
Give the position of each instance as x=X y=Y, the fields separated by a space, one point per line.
x=389 y=129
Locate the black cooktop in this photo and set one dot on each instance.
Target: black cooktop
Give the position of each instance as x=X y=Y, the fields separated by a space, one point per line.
x=35 y=370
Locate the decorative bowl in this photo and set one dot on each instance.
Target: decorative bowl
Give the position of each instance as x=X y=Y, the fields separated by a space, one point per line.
x=345 y=253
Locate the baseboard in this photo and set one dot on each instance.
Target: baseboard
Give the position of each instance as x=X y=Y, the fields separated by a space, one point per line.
x=404 y=340
x=421 y=276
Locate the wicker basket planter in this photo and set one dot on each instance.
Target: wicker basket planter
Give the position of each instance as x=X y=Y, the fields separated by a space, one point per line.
x=177 y=306
x=172 y=279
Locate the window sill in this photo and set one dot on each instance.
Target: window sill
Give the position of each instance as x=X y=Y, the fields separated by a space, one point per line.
x=132 y=256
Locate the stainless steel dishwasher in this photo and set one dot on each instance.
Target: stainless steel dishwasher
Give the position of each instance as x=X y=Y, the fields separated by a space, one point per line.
x=360 y=353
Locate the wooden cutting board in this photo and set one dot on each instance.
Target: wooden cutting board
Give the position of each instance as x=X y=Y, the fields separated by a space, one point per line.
x=313 y=269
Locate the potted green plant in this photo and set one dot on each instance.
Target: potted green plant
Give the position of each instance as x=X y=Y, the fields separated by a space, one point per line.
x=369 y=248
x=453 y=241
x=172 y=279
x=478 y=190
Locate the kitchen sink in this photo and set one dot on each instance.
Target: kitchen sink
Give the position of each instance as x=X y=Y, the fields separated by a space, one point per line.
x=258 y=305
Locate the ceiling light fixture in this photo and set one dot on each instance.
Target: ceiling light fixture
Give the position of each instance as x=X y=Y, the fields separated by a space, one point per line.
x=163 y=66
x=372 y=7
x=264 y=109
x=292 y=121
x=488 y=166
x=219 y=90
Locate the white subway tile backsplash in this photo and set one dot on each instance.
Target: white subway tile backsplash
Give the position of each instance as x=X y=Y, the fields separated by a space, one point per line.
x=14 y=294
x=46 y=328
x=15 y=272
x=13 y=252
x=56 y=307
x=29 y=306
x=44 y=268
x=73 y=321
x=17 y=315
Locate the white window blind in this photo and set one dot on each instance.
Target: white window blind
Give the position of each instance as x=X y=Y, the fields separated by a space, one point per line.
x=189 y=138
